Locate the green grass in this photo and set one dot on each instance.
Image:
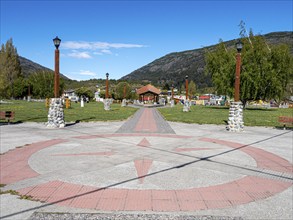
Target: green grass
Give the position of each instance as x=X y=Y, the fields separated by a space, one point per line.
x=219 y=115
x=93 y=111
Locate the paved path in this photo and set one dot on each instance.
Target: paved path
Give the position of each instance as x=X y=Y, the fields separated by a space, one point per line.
x=148 y=166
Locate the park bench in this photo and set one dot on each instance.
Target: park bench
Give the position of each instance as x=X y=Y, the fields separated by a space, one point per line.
x=7 y=115
x=286 y=120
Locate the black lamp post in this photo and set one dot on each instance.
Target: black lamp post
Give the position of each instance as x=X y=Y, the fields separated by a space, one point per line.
x=56 y=41
x=107 y=85
x=237 y=75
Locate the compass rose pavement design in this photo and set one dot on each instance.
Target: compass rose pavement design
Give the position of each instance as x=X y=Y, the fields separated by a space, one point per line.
x=149 y=165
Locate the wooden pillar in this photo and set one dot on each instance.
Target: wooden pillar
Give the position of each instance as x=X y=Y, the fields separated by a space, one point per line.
x=237 y=78
x=56 y=77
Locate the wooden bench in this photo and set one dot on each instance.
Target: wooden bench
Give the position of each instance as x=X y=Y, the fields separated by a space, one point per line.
x=286 y=120
x=7 y=115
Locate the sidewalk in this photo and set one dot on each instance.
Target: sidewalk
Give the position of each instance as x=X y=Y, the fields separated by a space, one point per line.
x=146 y=168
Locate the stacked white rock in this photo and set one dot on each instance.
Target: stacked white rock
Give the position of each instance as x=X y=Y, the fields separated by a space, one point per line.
x=56 y=114
x=107 y=104
x=235 y=122
x=186 y=106
x=123 y=104
x=172 y=103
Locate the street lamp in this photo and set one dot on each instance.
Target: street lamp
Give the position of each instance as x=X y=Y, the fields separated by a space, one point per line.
x=56 y=41
x=172 y=94
x=237 y=75
x=186 y=87
x=107 y=85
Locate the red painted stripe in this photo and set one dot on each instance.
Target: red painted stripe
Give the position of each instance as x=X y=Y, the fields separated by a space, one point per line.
x=144 y=143
x=142 y=168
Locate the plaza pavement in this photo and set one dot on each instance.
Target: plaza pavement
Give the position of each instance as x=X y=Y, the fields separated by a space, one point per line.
x=145 y=168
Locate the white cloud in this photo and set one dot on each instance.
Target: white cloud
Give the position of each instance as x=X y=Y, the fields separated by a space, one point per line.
x=97 y=53
x=77 y=45
x=87 y=73
x=85 y=50
x=106 y=51
x=80 y=55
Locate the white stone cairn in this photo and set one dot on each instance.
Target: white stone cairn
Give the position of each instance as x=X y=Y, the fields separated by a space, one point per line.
x=107 y=104
x=235 y=122
x=123 y=104
x=172 y=103
x=186 y=106
x=56 y=114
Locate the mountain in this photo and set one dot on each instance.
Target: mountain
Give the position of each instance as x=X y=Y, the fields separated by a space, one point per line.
x=173 y=67
x=28 y=67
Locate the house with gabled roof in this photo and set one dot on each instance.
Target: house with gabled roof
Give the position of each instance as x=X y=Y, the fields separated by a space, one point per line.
x=148 y=93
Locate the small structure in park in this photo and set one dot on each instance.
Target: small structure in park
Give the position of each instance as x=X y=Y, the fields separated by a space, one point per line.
x=148 y=93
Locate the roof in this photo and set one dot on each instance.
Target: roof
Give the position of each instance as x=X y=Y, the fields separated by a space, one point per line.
x=204 y=97
x=148 y=88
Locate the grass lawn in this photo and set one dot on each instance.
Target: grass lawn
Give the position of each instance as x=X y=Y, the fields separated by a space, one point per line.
x=219 y=115
x=93 y=111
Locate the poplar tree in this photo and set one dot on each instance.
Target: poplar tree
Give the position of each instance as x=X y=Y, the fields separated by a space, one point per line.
x=220 y=64
x=191 y=88
x=119 y=90
x=42 y=84
x=10 y=69
x=266 y=69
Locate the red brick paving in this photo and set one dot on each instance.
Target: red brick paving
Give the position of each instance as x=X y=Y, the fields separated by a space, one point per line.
x=242 y=191
x=138 y=200
x=14 y=164
x=146 y=122
x=263 y=158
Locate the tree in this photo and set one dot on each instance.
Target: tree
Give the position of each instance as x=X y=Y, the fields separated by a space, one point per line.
x=166 y=87
x=21 y=87
x=86 y=92
x=221 y=65
x=10 y=69
x=265 y=72
x=182 y=89
x=119 y=91
x=191 y=88
x=42 y=84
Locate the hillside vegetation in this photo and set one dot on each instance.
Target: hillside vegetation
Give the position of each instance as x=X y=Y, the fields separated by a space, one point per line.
x=173 y=67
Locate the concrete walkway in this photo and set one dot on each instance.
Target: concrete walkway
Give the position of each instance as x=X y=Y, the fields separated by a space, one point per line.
x=146 y=168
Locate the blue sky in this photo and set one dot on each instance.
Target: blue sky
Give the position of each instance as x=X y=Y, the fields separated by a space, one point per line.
x=119 y=37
